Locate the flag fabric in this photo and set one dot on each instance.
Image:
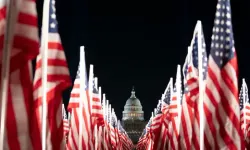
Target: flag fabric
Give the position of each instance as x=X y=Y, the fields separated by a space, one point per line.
x=244 y=108
x=25 y=47
x=221 y=103
x=58 y=79
x=96 y=114
x=65 y=122
x=191 y=82
x=78 y=113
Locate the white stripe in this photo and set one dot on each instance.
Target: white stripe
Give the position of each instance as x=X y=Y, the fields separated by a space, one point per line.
x=28 y=7
x=27 y=31
x=21 y=117
x=52 y=70
x=210 y=106
x=187 y=121
x=227 y=93
x=37 y=93
x=54 y=37
x=54 y=54
x=232 y=74
x=230 y=129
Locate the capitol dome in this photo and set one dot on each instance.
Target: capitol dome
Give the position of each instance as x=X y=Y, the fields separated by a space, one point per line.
x=133 y=108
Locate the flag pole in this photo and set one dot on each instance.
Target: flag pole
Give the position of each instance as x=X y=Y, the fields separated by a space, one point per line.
x=178 y=90
x=201 y=84
x=82 y=89
x=90 y=91
x=244 y=102
x=44 y=52
x=5 y=70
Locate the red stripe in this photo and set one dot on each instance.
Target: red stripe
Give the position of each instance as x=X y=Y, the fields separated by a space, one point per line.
x=27 y=19
x=11 y=125
x=227 y=108
x=55 y=45
x=53 y=62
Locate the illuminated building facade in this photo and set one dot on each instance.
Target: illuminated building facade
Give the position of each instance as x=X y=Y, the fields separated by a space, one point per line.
x=133 y=117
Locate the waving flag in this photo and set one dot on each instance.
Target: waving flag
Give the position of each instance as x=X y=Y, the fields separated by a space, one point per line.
x=221 y=103
x=25 y=47
x=58 y=79
x=244 y=107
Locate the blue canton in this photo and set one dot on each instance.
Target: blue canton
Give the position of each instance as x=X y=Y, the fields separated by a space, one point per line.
x=158 y=109
x=52 y=18
x=78 y=76
x=222 y=45
x=113 y=121
x=195 y=55
x=167 y=97
x=95 y=90
x=242 y=96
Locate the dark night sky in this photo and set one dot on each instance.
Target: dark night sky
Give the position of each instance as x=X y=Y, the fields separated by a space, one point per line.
x=140 y=43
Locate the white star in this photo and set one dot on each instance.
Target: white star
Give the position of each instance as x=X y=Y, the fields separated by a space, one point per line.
x=221 y=46
x=216 y=37
x=216 y=45
x=223 y=6
x=217 y=29
x=221 y=62
x=218 y=14
x=222 y=22
x=228 y=15
x=204 y=70
x=228 y=39
x=217 y=21
x=212 y=45
x=221 y=38
x=223 y=14
x=218 y=6
x=221 y=30
x=228 y=23
x=212 y=37
x=204 y=64
x=216 y=53
x=221 y=54
x=53 y=16
x=52 y=25
x=228 y=30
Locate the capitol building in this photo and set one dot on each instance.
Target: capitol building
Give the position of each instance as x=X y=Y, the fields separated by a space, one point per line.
x=133 y=118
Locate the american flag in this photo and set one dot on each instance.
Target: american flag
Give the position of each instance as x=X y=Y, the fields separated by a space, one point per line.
x=191 y=114
x=25 y=48
x=96 y=114
x=75 y=93
x=58 y=79
x=156 y=122
x=173 y=107
x=25 y=37
x=74 y=109
x=221 y=103
x=167 y=96
x=244 y=107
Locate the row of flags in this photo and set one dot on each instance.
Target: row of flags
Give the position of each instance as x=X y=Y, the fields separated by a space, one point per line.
x=210 y=113
x=91 y=122
x=32 y=112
